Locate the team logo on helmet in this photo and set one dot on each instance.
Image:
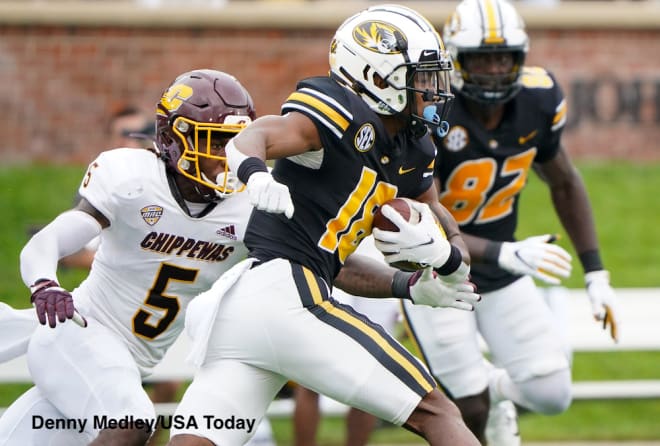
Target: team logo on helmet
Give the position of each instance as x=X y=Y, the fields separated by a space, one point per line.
x=365 y=138
x=456 y=139
x=333 y=46
x=380 y=37
x=175 y=95
x=151 y=214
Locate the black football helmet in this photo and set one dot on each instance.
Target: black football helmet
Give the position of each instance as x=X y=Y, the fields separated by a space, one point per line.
x=199 y=107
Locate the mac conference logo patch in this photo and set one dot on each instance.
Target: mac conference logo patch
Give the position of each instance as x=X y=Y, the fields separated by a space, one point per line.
x=365 y=138
x=151 y=214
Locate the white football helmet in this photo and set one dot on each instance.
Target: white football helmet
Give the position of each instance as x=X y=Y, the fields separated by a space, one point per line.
x=479 y=26
x=387 y=53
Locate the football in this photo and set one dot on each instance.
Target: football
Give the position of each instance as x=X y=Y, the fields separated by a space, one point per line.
x=403 y=207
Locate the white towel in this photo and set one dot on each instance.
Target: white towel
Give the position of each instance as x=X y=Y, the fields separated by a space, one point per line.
x=16 y=328
x=202 y=311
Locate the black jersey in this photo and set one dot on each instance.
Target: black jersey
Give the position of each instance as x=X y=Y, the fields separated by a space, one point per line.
x=482 y=172
x=336 y=190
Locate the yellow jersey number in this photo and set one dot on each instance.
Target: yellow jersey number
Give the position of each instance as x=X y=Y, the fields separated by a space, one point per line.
x=470 y=183
x=344 y=232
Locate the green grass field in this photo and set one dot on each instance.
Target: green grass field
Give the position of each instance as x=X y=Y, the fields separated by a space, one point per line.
x=627 y=215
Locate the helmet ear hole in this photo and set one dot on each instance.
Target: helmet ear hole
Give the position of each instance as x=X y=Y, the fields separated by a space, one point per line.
x=379 y=81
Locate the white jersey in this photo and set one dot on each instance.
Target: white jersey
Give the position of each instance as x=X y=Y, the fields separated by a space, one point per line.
x=153 y=258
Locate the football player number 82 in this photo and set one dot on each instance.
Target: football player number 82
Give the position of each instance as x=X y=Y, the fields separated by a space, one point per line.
x=149 y=324
x=469 y=185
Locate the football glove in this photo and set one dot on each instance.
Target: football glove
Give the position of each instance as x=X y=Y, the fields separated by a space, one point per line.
x=603 y=301
x=423 y=243
x=54 y=303
x=268 y=195
x=537 y=257
x=426 y=287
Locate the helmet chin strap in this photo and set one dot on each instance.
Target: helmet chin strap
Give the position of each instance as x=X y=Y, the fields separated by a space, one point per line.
x=172 y=177
x=432 y=118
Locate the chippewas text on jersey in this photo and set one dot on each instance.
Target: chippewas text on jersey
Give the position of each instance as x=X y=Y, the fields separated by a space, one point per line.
x=189 y=247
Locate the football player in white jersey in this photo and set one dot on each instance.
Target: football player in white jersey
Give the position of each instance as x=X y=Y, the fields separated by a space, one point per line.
x=171 y=220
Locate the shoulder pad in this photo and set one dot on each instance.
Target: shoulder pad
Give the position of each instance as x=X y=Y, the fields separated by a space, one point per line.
x=324 y=101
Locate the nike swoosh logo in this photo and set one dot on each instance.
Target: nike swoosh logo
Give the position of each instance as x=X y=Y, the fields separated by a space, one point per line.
x=523 y=261
x=523 y=139
x=403 y=171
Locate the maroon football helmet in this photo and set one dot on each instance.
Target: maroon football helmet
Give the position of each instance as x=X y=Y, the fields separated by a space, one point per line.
x=200 y=107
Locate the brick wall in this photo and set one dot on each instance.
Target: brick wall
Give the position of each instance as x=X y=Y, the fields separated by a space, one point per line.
x=58 y=83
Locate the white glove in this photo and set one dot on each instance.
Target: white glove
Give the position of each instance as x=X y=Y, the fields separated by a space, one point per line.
x=536 y=256
x=603 y=301
x=268 y=195
x=424 y=242
x=427 y=288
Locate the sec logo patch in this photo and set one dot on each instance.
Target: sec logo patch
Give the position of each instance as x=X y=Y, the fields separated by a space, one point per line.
x=456 y=139
x=365 y=138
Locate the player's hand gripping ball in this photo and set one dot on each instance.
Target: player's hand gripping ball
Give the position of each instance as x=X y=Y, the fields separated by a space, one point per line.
x=410 y=214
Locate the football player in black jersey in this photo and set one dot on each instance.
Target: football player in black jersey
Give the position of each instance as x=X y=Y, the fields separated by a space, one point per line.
x=345 y=144
x=506 y=120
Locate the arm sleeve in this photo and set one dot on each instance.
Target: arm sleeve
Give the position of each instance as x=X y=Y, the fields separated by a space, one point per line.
x=67 y=234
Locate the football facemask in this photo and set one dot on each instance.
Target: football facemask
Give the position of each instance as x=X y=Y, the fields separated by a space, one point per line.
x=196 y=116
x=207 y=141
x=481 y=31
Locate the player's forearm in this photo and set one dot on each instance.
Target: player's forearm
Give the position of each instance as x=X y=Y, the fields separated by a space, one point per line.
x=246 y=145
x=574 y=211
x=67 y=234
x=363 y=276
x=480 y=248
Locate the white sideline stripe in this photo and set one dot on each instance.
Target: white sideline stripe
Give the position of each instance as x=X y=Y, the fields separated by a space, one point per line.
x=639 y=309
x=589 y=390
x=632 y=389
x=584 y=390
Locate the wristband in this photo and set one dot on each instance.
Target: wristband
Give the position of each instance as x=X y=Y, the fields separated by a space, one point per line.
x=40 y=284
x=453 y=262
x=249 y=166
x=492 y=252
x=591 y=261
x=400 y=288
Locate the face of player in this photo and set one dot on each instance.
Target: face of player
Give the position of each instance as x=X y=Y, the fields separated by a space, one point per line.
x=499 y=62
x=431 y=82
x=488 y=69
x=212 y=167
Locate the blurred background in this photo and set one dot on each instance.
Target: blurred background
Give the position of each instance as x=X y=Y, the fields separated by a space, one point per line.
x=67 y=66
